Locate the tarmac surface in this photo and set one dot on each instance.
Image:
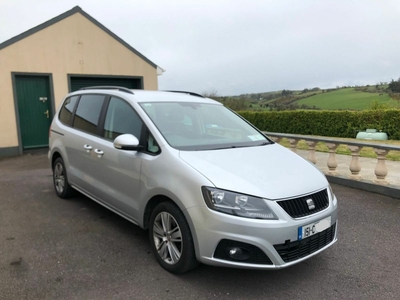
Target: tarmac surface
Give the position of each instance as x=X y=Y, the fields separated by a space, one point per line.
x=76 y=249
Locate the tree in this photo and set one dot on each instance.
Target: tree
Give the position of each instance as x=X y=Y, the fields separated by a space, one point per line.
x=394 y=86
x=210 y=94
x=286 y=93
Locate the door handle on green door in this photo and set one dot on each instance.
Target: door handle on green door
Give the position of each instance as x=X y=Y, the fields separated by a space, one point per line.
x=87 y=148
x=98 y=152
x=47 y=113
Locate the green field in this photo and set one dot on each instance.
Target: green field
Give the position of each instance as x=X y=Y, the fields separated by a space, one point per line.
x=346 y=98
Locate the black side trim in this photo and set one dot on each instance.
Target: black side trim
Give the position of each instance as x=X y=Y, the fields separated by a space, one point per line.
x=57 y=132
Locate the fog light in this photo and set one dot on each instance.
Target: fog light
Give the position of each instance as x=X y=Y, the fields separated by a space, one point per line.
x=239 y=253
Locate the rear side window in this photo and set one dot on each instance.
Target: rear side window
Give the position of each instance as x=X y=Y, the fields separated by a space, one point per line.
x=120 y=119
x=67 y=110
x=88 y=113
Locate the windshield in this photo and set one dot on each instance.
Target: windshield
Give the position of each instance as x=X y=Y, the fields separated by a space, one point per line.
x=200 y=126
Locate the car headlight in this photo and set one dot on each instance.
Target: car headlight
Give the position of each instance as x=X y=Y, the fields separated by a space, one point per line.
x=237 y=204
x=332 y=195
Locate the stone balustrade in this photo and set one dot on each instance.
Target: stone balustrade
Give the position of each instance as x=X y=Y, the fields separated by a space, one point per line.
x=381 y=150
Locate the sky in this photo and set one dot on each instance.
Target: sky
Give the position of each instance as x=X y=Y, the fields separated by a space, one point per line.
x=236 y=47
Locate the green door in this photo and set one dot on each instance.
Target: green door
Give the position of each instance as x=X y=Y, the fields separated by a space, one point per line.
x=34 y=109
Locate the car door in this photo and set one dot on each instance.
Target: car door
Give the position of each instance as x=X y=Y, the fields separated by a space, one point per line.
x=116 y=173
x=79 y=138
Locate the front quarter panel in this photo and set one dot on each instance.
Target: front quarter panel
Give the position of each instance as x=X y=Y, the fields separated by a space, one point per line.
x=169 y=176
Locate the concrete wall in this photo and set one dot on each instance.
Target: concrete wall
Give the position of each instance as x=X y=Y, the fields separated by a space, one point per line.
x=72 y=46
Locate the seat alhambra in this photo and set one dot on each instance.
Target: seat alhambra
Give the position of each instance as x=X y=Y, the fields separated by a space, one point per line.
x=207 y=185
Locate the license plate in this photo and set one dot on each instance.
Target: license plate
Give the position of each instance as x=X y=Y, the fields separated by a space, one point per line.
x=313 y=228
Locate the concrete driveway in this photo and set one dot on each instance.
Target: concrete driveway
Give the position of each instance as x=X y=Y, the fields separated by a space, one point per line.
x=76 y=249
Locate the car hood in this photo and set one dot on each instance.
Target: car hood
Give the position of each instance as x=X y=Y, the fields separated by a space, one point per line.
x=269 y=171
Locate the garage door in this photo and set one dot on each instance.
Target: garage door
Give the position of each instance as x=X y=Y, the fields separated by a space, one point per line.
x=130 y=83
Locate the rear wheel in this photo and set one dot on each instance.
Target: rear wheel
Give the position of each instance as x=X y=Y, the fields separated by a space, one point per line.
x=171 y=239
x=60 y=180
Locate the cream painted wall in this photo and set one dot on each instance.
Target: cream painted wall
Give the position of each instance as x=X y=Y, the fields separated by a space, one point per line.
x=72 y=46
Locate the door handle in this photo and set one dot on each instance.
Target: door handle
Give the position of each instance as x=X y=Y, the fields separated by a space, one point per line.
x=47 y=113
x=87 y=148
x=98 y=152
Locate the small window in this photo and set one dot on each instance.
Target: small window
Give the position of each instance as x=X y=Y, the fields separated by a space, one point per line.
x=120 y=119
x=152 y=145
x=88 y=112
x=67 y=110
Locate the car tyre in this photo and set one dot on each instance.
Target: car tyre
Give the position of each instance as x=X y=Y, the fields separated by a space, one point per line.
x=171 y=239
x=60 y=180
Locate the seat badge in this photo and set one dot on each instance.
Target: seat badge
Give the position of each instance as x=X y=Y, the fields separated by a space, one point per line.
x=310 y=204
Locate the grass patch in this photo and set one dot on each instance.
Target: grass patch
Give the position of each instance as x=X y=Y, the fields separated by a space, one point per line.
x=346 y=98
x=342 y=149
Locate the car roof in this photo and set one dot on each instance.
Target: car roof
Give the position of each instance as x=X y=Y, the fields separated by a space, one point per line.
x=150 y=96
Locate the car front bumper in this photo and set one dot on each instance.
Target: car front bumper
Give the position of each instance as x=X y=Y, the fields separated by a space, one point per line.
x=277 y=239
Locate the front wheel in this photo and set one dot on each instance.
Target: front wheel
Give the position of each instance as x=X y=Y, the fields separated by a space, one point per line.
x=171 y=240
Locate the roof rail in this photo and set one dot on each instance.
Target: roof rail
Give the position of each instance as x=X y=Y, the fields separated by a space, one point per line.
x=189 y=93
x=119 y=88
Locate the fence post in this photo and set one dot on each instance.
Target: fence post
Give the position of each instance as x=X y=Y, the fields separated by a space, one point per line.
x=311 y=151
x=332 y=163
x=355 y=166
x=293 y=144
x=381 y=169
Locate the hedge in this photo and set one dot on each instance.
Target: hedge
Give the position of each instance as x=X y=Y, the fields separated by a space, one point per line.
x=326 y=123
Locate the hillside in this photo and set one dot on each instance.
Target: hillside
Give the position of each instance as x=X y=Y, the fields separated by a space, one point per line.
x=345 y=98
x=352 y=98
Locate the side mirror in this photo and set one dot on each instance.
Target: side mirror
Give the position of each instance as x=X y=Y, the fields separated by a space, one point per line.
x=127 y=142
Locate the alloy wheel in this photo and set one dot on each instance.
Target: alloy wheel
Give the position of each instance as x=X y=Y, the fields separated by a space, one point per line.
x=59 y=178
x=167 y=237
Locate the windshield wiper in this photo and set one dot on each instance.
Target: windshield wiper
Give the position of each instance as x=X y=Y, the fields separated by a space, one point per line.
x=233 y=146
x=264 y=143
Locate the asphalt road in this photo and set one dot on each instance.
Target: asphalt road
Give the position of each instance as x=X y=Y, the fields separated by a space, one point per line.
x=76 y=249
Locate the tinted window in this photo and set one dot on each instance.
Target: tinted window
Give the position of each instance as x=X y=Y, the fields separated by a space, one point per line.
x=67 y=110
x=120 y=119
x=88 y=112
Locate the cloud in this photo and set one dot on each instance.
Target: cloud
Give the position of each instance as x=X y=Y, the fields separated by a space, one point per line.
x=239 y=47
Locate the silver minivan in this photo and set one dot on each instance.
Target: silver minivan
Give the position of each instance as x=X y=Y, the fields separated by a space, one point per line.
x=208 y=186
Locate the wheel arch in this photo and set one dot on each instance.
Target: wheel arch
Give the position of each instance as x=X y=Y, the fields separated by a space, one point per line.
x=157 y=199
x=54 y=156
x=151 y=204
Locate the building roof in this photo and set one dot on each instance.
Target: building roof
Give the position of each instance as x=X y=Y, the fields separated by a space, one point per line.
x=65 y=15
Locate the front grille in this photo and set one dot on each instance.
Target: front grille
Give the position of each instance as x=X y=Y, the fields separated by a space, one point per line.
x=257 y=256
x=298 y=207
x=291 y=251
